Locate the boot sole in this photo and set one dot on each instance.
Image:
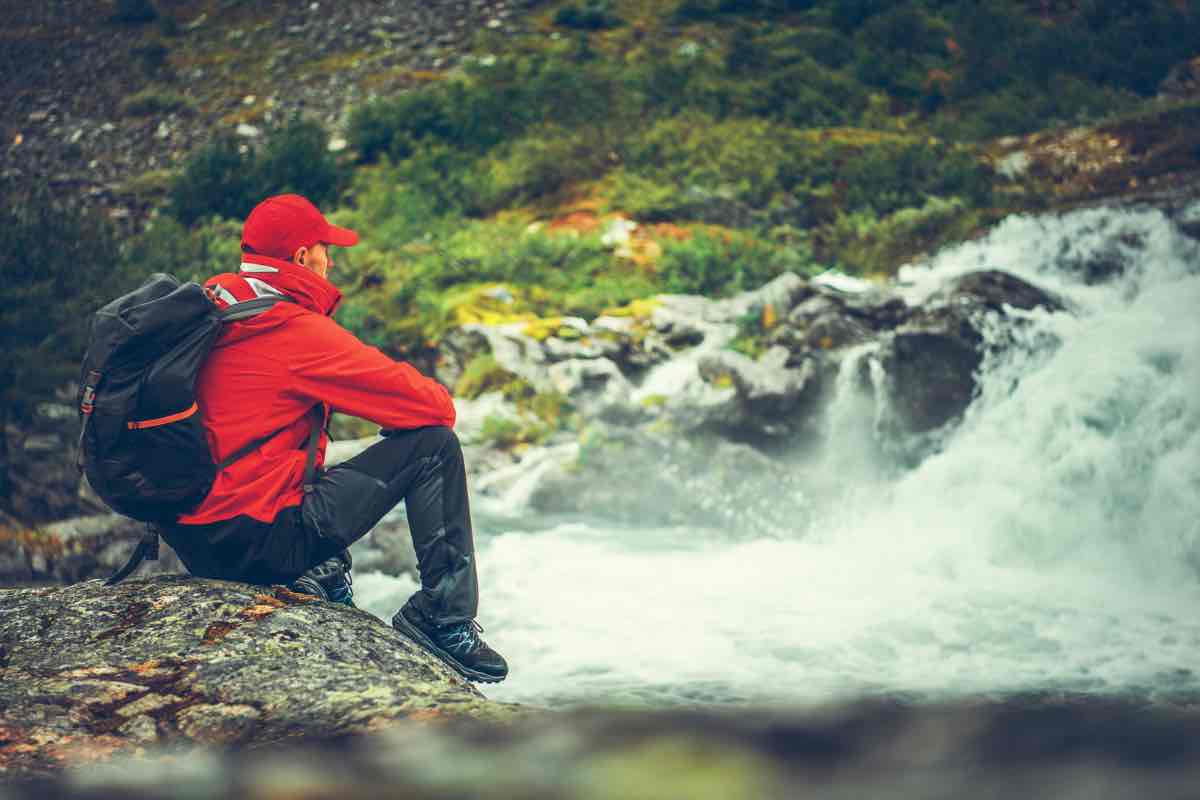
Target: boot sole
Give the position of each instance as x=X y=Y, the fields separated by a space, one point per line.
x=412 y=632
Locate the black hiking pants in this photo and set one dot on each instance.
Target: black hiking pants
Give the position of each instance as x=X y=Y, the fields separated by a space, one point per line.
x=423 y=467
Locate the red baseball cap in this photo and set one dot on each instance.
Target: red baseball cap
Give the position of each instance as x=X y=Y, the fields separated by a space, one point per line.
x=281 y=225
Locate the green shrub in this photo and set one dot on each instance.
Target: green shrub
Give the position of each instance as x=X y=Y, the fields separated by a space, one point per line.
x=751 y=337
x=296 y=158
x=716 y=265
x=502 y=432
x=133 y=11
x=748 y=158
x=848 y=15
x=228 y=177
x=541 y=163
x=864 y=244
x=897 y=175
x=483 y=374
x=486 y=106
x=704 y=10
x=196 y=254
x=406 y=296
x=592 y=15
x=218 y=180
x=60 y=264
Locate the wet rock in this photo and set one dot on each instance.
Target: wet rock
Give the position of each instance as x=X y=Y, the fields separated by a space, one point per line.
x=594 y=386
x=1188 y=219
x=228 y=723
x=187 y=660
x=930 y=370
x=930 y=361
x=770 y=399
x=993 y=290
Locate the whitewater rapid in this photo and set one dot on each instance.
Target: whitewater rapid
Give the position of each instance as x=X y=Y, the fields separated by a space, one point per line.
x=1051 y=543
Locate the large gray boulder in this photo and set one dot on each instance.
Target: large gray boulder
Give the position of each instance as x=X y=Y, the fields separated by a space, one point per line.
x=89 y=669
x=931 y=360
x=772 y=397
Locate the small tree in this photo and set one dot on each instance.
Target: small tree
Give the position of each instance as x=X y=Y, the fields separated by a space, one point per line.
x=296 y=159
x=217 y=181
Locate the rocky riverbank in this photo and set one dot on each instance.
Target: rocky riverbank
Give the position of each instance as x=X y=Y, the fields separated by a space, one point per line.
x=173 y=684
x=89 y=672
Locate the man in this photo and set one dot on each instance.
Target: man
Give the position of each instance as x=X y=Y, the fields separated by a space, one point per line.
x=279 y=374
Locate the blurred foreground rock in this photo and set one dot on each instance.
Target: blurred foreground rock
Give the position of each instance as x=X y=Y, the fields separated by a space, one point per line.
x=1069 y=750
x=88 y=672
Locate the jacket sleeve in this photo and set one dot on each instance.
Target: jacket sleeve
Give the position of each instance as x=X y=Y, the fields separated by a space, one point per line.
x=332 y=366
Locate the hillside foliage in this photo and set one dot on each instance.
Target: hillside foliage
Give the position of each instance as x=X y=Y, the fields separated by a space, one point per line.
x=742 y=137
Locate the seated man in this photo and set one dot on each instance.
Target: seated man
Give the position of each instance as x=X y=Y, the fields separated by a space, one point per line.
x=278 y=375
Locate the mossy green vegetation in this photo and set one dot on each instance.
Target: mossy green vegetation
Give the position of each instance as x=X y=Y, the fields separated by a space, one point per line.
x=155 y=101
x=539 y=414
x=228 y=176
x=767 y=135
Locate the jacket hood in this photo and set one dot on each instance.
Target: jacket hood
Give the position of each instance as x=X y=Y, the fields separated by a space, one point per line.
x=308 y=288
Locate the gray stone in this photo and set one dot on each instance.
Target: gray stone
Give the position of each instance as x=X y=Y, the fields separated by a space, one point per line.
x=1188 y=219
x=771 y=399
x=208 y=661
x=930 y=361
x=142 y=729
x=594 y=386
x=219 y=723
x=77 y=549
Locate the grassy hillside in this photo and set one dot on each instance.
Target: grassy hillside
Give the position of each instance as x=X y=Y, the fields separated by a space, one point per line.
x=606 y=150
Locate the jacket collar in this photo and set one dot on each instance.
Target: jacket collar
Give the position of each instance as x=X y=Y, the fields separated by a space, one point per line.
x=308 y=288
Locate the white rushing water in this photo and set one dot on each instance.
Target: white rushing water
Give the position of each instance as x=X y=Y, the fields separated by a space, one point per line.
x=1053 y=543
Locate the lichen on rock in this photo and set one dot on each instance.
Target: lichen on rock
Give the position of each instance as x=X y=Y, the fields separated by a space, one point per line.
x=118 y=667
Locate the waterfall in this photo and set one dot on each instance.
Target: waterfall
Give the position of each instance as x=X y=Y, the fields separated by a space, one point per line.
x=1050 y=541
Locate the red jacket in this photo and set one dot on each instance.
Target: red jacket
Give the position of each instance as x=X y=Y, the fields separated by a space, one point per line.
x=266 y=373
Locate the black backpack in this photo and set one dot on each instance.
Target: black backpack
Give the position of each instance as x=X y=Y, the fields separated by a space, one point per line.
x=141 y=441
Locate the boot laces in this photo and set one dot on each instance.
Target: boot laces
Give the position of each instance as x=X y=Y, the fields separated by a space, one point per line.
x=463 y=637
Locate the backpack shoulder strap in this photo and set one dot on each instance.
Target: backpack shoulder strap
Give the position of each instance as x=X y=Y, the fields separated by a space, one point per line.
x=251 y=308
x=147 y=548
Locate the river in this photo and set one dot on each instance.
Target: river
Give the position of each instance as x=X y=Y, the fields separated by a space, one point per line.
x=1048 y=543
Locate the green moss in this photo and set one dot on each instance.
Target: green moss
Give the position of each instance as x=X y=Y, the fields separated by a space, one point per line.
x=154 y=101
x=149 y=187
x=752 y=330
x=483 y=374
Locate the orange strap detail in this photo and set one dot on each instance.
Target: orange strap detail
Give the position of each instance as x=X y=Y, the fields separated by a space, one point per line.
x=154 y=423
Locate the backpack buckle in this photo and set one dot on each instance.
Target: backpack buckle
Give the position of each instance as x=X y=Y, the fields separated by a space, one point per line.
x=89 y=392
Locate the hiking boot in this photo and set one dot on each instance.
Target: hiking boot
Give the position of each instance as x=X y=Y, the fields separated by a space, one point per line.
x=330 y=580
x=457 y=644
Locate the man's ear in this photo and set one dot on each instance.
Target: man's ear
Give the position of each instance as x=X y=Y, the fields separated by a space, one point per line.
x=298 y=256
